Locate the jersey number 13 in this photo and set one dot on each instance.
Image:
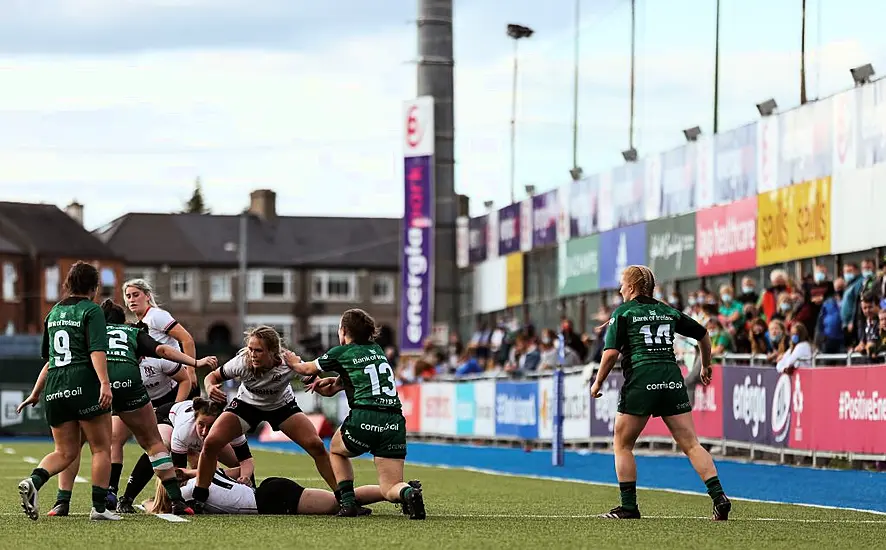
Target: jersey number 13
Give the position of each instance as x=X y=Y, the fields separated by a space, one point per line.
x=376 y=372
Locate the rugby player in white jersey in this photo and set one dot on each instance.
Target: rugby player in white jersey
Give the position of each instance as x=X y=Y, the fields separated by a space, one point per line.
x=275 y=495
x=265 y=394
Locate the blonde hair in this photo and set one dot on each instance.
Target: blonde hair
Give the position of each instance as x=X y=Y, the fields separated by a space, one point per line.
x=161 y=503
x=641 y=278
x=143 y=286
x=272 y=341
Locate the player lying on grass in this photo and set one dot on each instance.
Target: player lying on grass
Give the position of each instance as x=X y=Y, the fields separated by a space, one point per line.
x=265 y=394
x=184 y=426
x=130 y=402
x=275 y=495
x=375 y=424
x=641 y=330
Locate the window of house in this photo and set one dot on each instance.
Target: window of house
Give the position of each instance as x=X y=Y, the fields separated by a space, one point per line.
x=334 y=286
x=181 y=285
x=146 y=274
x=220 y=287
x=10 y=277
x=383 y=289
x=270 y=284
x=108 y=282
x=51 y=281
x=327 y=328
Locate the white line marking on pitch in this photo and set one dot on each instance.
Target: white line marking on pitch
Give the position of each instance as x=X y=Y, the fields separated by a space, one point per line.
x=9 y=450
x=79 y=479
x=172 y=518
x=594 y=516
x=31 y=460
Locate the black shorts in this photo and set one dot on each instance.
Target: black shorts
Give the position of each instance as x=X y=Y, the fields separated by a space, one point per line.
x=164 y=399
x=278 y=496
x=254 y=416
x=162 y=414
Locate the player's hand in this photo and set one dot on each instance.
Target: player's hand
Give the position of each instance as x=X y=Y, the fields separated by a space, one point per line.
x=290 y=358
x=245 y=481
x=211 y=362
x=32 y=400
x=217 y=394
x=595 y=390
x=707 y=373
x=105 y=396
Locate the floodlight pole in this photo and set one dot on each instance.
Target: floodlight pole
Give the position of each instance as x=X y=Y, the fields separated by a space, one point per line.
x=803 y=55
x=717 y=70
x=633 y=63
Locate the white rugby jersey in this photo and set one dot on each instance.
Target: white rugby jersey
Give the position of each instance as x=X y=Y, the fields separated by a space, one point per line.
x=156 y=372
x=267 y=392
x=184 y=430
x=226 y=496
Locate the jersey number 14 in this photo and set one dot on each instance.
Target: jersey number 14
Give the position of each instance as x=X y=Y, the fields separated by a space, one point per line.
x=662 y=335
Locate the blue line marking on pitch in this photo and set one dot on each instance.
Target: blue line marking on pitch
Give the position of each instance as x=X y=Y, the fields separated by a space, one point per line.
x=776 y=483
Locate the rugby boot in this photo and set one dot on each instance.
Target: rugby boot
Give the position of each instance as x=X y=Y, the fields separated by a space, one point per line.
x=722 y=507
x=30 y=504
x=363 y=510
x=621 y=513
x=180 y=508
x=124 y=506
x=196 y=506
x=111 y=500
x=102 y=516
x=416 y=504
x=415 y=484
x=61 y=509
x=348 y=511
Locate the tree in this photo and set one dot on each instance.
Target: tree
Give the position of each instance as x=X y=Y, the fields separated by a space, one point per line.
x=195 y=204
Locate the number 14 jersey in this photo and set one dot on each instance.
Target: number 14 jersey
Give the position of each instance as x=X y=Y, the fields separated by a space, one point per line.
x=367 y=377
x=643 y=331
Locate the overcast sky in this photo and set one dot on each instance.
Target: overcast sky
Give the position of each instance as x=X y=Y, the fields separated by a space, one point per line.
x=121 y=105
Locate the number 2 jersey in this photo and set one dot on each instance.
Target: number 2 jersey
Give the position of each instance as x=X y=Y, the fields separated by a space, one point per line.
x=643 y=331
x=367 y=377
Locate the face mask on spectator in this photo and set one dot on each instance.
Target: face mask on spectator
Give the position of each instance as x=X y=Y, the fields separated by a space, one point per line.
x=674 y=300
x=776 y=337
x=726 y=297
x=658 y=296
x=546 y=340
x=848 y=276
x=785 y=306
x=795 y=339
x=747 y=289
x=867 y=273
x=691 y=301
x=819 y=277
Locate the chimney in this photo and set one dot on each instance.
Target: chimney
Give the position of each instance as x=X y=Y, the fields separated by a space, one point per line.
x=75 y=210
x=263 y=203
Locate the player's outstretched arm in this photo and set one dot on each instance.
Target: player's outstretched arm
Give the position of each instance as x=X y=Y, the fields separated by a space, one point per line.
x=295 y=363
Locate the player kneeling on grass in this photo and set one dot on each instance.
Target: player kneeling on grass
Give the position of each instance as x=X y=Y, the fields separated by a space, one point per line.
x=642 y=331
x=375 y=424
x=274 y=496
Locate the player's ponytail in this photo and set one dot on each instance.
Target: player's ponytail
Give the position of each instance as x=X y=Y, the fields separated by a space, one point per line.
x=114 y=314
x=359 y=326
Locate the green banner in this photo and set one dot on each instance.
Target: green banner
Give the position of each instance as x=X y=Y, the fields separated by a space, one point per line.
x=671 y=247
x=579 y=266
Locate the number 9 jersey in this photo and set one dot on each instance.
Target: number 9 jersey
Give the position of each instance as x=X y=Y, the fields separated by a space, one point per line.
x=367 y=377
x=643 y=331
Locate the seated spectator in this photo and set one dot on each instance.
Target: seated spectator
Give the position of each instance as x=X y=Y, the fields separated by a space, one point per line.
x=572 y=339
x=869 y=332
x=748 y=291
x=778 y=342
x=784 y=309
x=800 y=352
x=829 y=335
x=730 y=311
x=769 y=299
x=527 y=356
x=454 y=350
x=469 y=364
x=675 y=301
x=550 y=357
x=760 y=344
x=721 y=342
x=658 y=293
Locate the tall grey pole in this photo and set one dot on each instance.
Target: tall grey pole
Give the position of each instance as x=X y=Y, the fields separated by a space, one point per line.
x=575 y=86
x=514 y=127
x=242 y=272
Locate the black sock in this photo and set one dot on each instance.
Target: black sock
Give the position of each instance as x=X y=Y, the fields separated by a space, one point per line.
x=139 y=478
x=628 y=494
x=348 y=498
x=201 y=494
x=39 y=476
x=99 y=495
x=714 y=487
x=337 y=494
x=116 y=470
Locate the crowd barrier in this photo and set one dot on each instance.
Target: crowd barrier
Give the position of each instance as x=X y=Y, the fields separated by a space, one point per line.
x=831 y=411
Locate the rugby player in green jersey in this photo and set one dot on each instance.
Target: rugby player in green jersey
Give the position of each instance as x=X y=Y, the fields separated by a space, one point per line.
x=642 y=330
x=78 y=391
x=375 y=424
x=131 y=403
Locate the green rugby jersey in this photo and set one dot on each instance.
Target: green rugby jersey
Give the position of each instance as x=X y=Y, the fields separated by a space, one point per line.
x=127 y=343
x=367 y=377
x=74 y=328
x=643 y=331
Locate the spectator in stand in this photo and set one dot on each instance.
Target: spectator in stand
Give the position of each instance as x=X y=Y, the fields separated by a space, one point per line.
x=550 y=358
x=829 y=335
x=721 y=342
x=814 y=294
x=572 y=339
x=769 y=299
x=527 y=356
x=851 y=309
x=784 y=311
x=778 y=342
x=800 y=352
x=658 y=293
x=454 y=350
x=880 y=284
x=392 y=356
x=882 y=342
x=759 y=338
x=730 y=311
x=869 y=330
x=850 y=296
x=469 y=364
x=748 y=291
x=595 y=352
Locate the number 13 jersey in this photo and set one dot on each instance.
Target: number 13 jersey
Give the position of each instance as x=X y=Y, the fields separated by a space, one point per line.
x=643 y=331
x=367 y=377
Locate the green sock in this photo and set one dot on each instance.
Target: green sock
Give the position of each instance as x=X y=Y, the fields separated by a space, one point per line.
x=63 y=495
x=714 y=487
x=348 y=497
x=628 y=494
x=172 y=489
x=39 y=476
x=99 y=495
x=405 y=492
